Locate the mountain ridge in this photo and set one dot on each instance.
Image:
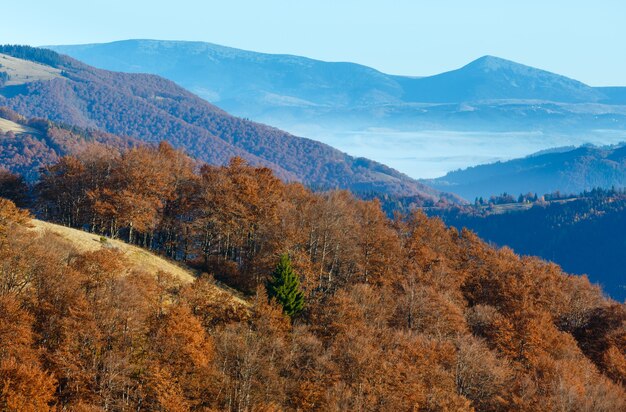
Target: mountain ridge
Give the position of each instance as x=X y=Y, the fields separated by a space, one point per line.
x=494 y=78
x=151 y=48
x=149 y=108
x=119 y=53
x=566 y=169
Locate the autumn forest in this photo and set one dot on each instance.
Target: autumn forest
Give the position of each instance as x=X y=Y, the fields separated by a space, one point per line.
x=394 y=314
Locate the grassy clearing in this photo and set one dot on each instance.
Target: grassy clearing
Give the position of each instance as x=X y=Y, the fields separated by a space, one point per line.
x=139 y=258
x=9 y=126
x=24 y=71
x=520 y=207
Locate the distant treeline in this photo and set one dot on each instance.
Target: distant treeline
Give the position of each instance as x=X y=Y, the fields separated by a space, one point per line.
x=506 y=198
x=36 y=54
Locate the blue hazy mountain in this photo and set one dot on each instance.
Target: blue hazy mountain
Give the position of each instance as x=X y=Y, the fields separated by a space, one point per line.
x=245 y=82
x=331 y=102
x=493 y=78
x=567 y=169
x=237 y=77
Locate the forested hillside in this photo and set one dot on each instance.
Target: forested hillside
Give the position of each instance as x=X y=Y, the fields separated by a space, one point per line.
x=152 y=109
x=27 y=145
x=567 y=169
x=584 y=233
x=401 y=314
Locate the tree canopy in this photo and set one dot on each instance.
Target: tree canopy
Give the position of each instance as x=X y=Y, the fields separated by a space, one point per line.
x=401 y=314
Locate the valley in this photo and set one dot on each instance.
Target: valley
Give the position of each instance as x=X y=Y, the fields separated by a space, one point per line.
x=431 y=154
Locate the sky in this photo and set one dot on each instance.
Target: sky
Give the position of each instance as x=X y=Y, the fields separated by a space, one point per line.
x=578 y=38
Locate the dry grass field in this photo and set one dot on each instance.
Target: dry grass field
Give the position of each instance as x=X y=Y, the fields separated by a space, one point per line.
x=24 y=71
x=9 y=126
x=139 y=258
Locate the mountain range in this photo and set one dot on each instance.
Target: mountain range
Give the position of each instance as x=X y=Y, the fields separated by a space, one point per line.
x=290 y=89
x=150 y=108
x=78 y=103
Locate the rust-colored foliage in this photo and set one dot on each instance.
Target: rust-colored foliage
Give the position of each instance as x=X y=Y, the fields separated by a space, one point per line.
x=400 y=315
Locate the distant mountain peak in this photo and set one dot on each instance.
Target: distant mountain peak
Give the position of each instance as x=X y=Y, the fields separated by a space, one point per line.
x=494 y=78
x=492 y=63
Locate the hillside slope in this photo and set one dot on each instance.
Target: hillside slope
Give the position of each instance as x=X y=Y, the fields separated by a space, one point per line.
x=90 y=242
x=27 y=145
x=399 y=315
x=568 y=170
x=7 y=125
x=137 y=258
x=19 y=71
x=152 y=109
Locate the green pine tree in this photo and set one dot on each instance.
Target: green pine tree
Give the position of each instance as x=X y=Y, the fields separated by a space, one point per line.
x=284 y=286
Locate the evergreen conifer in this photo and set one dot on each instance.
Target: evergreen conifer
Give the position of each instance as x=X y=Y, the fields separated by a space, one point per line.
x=284 y=286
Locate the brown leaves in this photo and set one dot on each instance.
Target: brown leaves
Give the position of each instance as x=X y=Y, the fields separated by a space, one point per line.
x=401 y=315
x=24 y=384
x=180 y=374
x=25 y=387
x=10 y=215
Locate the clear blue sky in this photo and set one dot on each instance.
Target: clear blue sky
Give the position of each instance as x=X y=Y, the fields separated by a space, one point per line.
x=581 y=39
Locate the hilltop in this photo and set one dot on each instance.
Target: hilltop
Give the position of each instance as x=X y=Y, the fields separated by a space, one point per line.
x=494 y=78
